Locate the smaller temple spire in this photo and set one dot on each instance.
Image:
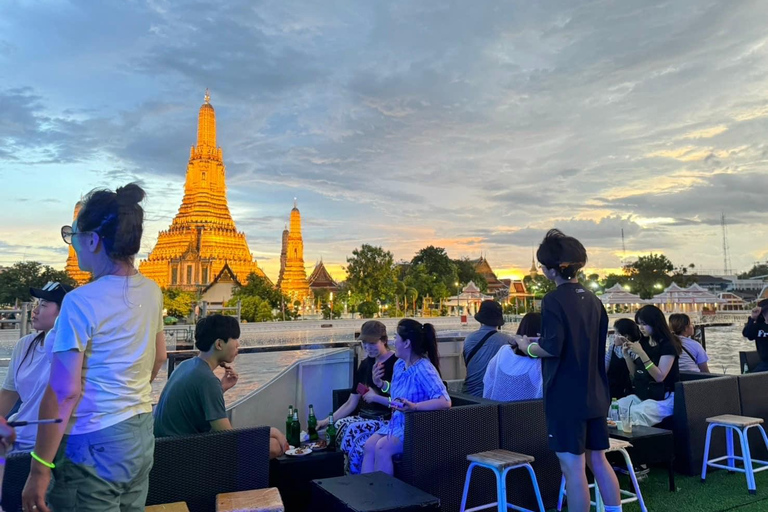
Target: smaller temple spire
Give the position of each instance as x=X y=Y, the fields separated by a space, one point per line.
x=295 y=204
x=207 y=96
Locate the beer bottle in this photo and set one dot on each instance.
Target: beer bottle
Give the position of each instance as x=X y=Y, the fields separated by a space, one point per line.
x=295 y=429
x=288 y=422
x=312 y=424
x=330 y=433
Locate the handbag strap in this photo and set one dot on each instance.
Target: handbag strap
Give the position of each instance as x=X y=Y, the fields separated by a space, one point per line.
x=468 y=358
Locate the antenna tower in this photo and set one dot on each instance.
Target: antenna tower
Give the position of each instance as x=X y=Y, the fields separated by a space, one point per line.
x=727 y=267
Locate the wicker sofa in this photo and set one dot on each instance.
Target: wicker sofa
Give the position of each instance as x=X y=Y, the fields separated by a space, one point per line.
x=193 y=469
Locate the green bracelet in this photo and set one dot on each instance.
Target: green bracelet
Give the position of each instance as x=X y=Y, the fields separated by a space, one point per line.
x=529 y=350
x=649 y=365
x=385 y=388
x=49 y=465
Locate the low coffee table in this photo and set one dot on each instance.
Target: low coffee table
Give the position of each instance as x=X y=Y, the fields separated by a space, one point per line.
x=293 y=476
x=372 y=492
x=650 y=445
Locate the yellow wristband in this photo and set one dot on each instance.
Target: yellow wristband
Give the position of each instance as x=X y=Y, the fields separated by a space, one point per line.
x=49 y=465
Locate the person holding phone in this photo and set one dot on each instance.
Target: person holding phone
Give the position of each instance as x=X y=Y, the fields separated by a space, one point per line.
x=356 y=421
x=416 y=386
x=757 y=331
x=29 y=367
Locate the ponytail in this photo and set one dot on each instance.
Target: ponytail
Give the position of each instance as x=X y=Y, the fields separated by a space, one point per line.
x=423 y=339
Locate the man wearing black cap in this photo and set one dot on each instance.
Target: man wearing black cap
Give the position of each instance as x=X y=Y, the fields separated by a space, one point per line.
x=482 y=345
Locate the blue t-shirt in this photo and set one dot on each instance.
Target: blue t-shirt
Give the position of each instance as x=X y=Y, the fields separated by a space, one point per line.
x=574 y=326
x=190 y=401
x=473 y=382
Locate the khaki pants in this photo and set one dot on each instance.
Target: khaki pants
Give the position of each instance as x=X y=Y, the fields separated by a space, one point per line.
x=106 y=470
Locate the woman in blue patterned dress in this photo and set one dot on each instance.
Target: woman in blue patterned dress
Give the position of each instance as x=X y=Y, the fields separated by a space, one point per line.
x=416 y=386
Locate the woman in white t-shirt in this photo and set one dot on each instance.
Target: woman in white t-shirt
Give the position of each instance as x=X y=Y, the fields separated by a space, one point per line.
x=28 y=370
x=105 y=348
x=693 y=358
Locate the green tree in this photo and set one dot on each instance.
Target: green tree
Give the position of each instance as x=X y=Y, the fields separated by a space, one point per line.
x=367 y=309
x=261 y=287
x=371 y=273
x=16 y=281
x=178 y=303
x=758 y=269
x=249 y=307
x=434 y=262
x=539 y=286
x=467 y=271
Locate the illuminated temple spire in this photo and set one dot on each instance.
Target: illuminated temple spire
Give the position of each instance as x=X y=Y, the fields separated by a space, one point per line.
x=293 y=276
x=202 y=236
x=73 y=267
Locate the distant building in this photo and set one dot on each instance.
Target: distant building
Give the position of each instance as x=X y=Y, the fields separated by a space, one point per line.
x=293 y=276
x=713 y=284
x=321 y=279
x=72 y=267
x=220 y=290
x=495 y=287
x=753 y=284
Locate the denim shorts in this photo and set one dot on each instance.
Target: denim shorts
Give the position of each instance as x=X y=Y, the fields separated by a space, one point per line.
x=106 y=470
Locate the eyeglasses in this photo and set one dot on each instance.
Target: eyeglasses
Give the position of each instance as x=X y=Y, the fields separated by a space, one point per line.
x=67 y=233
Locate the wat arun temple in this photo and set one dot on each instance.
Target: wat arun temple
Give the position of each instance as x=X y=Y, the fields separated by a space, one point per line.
x=202 y=238
x=203 y=247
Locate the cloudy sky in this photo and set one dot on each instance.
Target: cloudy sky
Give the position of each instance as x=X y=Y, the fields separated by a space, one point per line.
x=475 y=126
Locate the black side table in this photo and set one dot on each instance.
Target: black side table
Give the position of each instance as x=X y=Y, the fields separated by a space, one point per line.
x=372 y=492
x=650 y=445
x=293 y=476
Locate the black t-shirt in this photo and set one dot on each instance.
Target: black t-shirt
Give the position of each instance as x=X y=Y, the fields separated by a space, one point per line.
x=662 y=348
x=365 y=376
x=758 y=332
x=574 y=326
x=619 y=381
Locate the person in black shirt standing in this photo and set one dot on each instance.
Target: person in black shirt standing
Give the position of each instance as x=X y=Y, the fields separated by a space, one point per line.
x=373 y=410
x=576 y=393
x=757 y=330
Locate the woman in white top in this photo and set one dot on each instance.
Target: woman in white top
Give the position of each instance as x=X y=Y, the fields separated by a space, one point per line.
x=693 y=358
x=511 y=375
x=105 y=348
x=28 y=370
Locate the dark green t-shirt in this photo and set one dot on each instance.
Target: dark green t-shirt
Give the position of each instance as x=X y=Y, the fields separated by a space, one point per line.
x=190 y=401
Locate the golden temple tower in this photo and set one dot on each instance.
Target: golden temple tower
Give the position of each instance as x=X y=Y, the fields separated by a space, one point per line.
x=283 y=256
x=73 y=267
x=202 y=237
x=293 y=276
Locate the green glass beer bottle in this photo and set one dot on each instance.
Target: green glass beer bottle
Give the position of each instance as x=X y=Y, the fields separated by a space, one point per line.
x=295 y=429
x=288 y=422
x=330 y=433
x=312 y=424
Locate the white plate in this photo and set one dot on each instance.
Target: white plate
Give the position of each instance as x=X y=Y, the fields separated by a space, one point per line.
x=304 y=451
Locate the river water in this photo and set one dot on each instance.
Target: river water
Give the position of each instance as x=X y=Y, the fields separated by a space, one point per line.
x=255 y=370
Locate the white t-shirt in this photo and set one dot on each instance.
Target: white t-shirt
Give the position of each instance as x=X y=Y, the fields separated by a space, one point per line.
x=29 y=379
x=114 y=321
x=510 y=377
x=697 y=351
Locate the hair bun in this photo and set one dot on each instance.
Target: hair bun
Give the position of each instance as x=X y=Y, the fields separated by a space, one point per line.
x=129 y=195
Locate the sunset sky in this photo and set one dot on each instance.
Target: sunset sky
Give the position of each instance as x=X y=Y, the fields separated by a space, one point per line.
x=475 y=126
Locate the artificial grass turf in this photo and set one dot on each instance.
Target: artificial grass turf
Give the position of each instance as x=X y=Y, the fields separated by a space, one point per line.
x=721 y=492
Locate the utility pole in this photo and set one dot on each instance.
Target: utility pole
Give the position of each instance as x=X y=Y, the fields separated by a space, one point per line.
x=726 y=253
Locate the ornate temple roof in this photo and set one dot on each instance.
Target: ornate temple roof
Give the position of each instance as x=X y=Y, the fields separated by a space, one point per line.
x=484 y=269
x=72 y=266
x=321 y=279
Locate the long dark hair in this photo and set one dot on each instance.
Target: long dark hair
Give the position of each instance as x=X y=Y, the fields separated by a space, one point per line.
x=118 y=219
x=628 y=328
x=423 y=339
x=530 y=325
x=653 y=317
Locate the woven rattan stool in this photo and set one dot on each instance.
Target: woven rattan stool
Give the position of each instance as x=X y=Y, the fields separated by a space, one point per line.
x=741 y=425
x=620 y=446
x=500 y=462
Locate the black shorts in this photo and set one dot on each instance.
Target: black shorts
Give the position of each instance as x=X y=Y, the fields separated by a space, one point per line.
x=576 y=436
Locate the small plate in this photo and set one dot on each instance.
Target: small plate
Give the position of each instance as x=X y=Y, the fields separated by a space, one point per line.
x=315 y=447
x=299 y=452
x=611 y=423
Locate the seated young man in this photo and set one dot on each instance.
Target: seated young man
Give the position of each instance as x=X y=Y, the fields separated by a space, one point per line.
x=192 y=401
